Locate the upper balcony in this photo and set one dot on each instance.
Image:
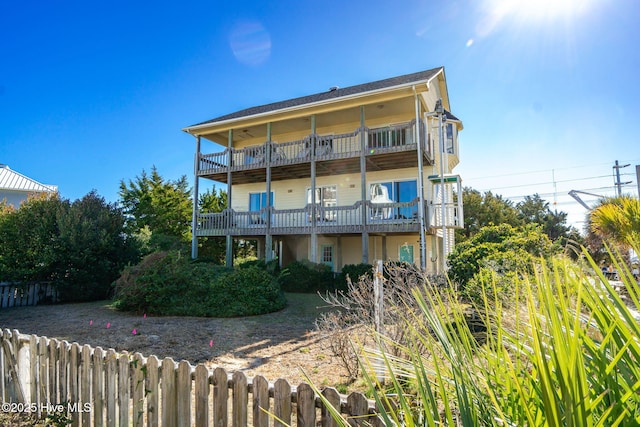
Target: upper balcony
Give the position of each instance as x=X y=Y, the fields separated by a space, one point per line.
x=383 y=148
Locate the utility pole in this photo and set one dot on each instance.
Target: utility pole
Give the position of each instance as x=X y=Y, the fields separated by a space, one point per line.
x=617 y=183
x=638 y=178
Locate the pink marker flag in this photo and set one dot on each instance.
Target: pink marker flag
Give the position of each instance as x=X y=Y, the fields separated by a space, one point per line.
x=145 y=316
x=211 y=343
x=108 y=325
x=134 y=331
x=90 y=322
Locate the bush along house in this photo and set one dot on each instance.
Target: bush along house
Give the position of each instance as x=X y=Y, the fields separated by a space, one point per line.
x=346 y=176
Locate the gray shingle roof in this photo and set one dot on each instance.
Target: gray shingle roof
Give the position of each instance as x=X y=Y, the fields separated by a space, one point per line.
x=407 y=79
x=14 y=181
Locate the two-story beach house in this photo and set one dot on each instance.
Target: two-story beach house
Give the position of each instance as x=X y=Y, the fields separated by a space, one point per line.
x=345 y=176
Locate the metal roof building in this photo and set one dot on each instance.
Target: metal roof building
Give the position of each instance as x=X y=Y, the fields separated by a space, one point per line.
x=16 y=187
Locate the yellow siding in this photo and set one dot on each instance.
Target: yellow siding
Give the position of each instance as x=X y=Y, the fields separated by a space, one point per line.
x=349 y=250
x=292 y=194
x=329 y=129
x=431 y=97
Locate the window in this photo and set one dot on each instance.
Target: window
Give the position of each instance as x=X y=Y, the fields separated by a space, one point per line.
x=394 y=192
x=325 y=198
x=449 y=137
x=259 y=201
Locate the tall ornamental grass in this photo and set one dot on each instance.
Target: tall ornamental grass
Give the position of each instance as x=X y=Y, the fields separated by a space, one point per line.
x=567 y=354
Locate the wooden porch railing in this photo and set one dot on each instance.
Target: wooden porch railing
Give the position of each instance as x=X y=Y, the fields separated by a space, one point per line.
x=389 y=217
x=319 y=147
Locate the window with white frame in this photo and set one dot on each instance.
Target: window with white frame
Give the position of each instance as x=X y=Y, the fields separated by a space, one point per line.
x=394 y=192
x=449 y=138
x=325 y=198
x=258 y=201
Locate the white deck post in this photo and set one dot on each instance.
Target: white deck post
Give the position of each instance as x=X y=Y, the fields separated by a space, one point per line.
x=194 y=220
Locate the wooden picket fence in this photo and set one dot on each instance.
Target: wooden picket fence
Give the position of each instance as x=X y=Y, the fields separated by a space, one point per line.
x=18 y=295
x=94 y=387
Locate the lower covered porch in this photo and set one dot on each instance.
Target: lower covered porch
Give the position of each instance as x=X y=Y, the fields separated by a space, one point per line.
x=337 y=251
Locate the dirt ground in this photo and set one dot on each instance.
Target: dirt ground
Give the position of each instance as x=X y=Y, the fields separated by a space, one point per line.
x=276 y=345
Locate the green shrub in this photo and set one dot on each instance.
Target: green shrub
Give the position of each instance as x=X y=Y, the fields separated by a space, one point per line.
x=305 y=276
x=502 y=285
x=168 y=283
x=246 y=292
x=80 y=247
x=501 y=249
x=272 y=267
x=354 y=272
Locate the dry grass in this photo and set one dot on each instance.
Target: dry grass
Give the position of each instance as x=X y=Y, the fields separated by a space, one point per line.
x=275 y=345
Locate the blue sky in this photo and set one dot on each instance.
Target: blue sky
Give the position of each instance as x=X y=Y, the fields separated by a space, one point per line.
x=94 y=92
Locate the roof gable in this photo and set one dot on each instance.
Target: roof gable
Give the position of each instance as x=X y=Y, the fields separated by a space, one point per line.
x=14 y=181
x=333 y=93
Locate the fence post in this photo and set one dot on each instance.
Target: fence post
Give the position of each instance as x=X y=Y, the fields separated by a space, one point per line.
x=202 y=395
x=220 y=397
x=98 y=387
x=110 y=375
x=63 y=371
x=151 y=384
x=306 y=406
x=32 y=396
x=14 y=389
x=358 y=409
x=53 y=374
x=138 y=390
x=74 y=395
x=23 y=364
x=43 y=371
x=169 y=410
x=183 y=394
x=124 y=387
x=282 y=403
x=378 y=315
x=260 y=401
x=240 y=399
x=333 y=398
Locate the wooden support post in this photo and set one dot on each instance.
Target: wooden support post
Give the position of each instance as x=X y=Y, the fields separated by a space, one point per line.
x=229 y=246
x=268 y=241
x=363 y=187
x=313 y=250
x=194 y=220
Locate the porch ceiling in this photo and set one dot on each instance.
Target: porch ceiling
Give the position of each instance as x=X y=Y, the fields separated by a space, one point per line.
x=374 y=112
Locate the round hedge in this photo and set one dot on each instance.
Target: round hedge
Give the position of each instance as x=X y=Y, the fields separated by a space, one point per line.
x=167 y=283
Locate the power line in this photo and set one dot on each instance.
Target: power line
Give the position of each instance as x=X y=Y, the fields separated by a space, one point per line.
x=549 y=170
x=563 y=194
x=549 y=182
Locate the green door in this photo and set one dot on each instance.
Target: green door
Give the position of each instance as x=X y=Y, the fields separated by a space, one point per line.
x=326 y=255
x=406 y=254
